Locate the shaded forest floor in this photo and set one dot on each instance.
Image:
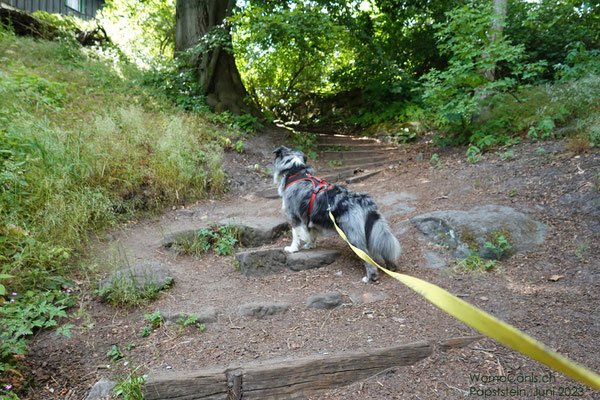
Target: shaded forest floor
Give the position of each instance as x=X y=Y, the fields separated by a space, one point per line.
x=551 y=292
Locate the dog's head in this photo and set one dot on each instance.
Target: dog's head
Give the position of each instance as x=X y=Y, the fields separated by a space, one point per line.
x=286 y=159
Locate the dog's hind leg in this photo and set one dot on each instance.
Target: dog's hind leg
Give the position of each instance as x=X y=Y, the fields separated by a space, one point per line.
x=372 y=273
x=313 y=234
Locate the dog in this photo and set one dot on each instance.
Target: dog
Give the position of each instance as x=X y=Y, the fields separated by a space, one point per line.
x=307 y=199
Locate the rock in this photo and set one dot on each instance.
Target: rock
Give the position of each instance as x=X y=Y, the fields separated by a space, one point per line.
x=324 y=300
x=258 y=231
x=311 y=259
x=367 y=297
x=204 y=316
x=263 y=262
x=142 y=276
x=392 y=198
x=464 y=232
x=101 y=389
x=253 y=232
x=433 y=259
x=177 y=237
x=261 y=309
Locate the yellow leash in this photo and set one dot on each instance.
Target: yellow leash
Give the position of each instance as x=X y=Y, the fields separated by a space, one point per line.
x=486 y=323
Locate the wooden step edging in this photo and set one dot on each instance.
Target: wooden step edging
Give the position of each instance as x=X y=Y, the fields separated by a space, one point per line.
x=290 y=378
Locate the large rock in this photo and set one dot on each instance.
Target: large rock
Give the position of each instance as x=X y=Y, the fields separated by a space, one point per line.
x=258 y=231
x=261 y=309
x=101 y=389
x=145 y=275
x=311 y=259
x=253 y=231
x=264 y=262
x=465 y=232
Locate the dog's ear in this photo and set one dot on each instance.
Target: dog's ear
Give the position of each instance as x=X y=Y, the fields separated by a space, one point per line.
x=279 y=151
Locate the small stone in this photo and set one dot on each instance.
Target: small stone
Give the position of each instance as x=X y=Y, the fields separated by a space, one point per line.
x=204 y=316
x=262 y=309
x=101 y=389
x=367 y=297
x=325 y=300
x=483 y=298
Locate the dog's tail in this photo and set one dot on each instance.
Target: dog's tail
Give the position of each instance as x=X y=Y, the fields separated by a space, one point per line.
x=381 y=243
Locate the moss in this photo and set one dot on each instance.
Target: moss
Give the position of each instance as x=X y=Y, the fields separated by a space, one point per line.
x=467 y=235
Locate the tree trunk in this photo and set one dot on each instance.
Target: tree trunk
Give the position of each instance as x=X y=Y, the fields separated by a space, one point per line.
x=215 y=68
x=496 y=32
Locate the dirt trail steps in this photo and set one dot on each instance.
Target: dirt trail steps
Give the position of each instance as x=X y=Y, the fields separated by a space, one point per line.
x=347 y=159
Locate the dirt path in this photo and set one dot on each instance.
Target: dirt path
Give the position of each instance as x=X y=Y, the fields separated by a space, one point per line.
x=551 y=292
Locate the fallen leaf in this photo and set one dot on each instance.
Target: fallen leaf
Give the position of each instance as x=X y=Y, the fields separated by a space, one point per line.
x=554 y=278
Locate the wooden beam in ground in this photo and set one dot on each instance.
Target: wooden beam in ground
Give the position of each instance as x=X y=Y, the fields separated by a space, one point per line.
x=289 y=378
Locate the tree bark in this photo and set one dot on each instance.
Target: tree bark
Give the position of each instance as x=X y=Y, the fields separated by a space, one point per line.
x=496 y=32
x=215 y=68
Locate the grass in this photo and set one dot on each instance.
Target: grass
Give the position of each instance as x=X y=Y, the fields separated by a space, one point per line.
x=84 y=148
x=221 y=240
x=85 y=145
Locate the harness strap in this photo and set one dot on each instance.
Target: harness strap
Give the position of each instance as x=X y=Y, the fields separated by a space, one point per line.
x=318 y=185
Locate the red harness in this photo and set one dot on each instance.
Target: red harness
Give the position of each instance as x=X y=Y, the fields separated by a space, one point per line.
x=318 y=185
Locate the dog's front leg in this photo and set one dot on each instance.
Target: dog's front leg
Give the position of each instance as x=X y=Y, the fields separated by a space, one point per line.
x=372 y=273
x=295 y=240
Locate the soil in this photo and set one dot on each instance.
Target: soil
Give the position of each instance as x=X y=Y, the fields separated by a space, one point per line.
x=551 y=292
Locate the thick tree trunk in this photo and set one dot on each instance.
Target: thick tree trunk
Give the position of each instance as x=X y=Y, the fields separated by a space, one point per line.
x=216 y=69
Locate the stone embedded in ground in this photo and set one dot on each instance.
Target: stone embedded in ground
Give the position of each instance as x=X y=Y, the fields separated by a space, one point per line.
x=101 y=389
x=144 y=275
x=172 y=238
x=367 y=297
x=253 y=231
x=324 y=300
x=262 y=262
x=465 y=232
x=262 y=309
x=311 y=259
x=257 y=231
x=392 y=198
x=205 y=316
x=433 y=259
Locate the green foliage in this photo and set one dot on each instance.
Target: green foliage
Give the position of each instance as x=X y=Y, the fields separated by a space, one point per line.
x=334 y=163
x=226 y=238
x=550 y=29
x=473 y=154
x=460 y=91
x=144 y=30
x=23 y=314
x=579 y=62
x=307 y=143
x=123 y=292
x=114 y=354
x=66 y=169
x=284 y=52
x=221 y=239
x=131 y=387
x=474 y=263
x=507 y=155
x=191 y=319
x=155 y=319
x=435 y=160
x=499 y=245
